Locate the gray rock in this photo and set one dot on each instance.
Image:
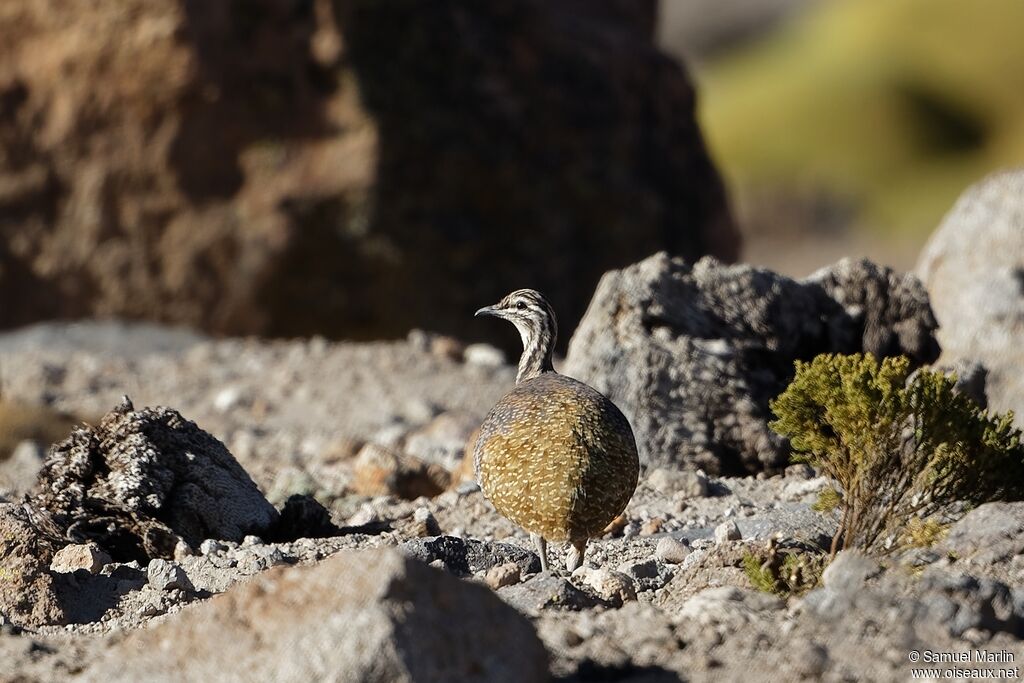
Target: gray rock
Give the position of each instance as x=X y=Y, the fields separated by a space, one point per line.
x=635 y=643
x=692 y=353
x=211 y=547
x=727 y=531
x=183 y=550
x=681 y=483
x=973 y=603
x=848 y=571
x=801 y=488
x=671 y=550
x=810 y=659
x=165 y=576
x=800 y=470
x=794 y=520
x=87 y=556
x=611 y=586
x=157 y=477
x=465 y=557
x=726 y=607
x=546 y=591
x=991 y=538
x=357 y=616
x=647 y=575
x=973 y=268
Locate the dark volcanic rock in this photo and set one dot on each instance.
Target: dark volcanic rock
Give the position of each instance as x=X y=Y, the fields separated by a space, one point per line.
x=468 y=556
x=358 y=616
x=693 y=353
x=142 y=479
x=286 y=167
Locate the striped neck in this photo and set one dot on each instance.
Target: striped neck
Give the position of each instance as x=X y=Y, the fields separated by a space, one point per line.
x=539 y=336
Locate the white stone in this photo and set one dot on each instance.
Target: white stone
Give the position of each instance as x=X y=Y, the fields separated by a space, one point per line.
x=484 y=355
x=671 y=550
x=611 y=586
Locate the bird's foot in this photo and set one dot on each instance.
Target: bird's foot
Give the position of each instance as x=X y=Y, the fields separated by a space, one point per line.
x=574 y=557
x=542 y=550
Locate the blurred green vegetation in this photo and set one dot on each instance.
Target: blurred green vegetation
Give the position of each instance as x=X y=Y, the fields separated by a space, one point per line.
x=886 y=108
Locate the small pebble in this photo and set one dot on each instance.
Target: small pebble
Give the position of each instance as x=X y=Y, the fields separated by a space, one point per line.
x=502 y=575
x=211 y=547
x=671 y=550
x=611 y=586
x=182 y=550
x=164 y=575
x=483 y=355
x=424 y=523
x=727 y=531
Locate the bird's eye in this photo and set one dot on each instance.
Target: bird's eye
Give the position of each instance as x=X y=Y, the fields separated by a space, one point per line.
x=521 y=306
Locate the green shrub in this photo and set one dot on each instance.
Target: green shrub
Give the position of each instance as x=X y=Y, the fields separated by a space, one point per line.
x=898 y=447
x=784 y=572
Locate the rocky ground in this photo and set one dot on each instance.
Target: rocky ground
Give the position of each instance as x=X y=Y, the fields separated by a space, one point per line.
x=663 y=596
x=238 y=509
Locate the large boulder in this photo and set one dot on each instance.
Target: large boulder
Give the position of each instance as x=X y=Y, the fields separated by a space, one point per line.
x=693 y=353
x=973 y=268
x=143 y=479
x=358 y=616
x=285 y=167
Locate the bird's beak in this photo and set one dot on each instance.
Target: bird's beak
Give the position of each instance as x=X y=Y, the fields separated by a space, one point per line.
x=486 y=310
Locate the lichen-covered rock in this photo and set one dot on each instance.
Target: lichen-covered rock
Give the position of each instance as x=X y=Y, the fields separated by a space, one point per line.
x=143 y=479
x=693 y=353
x=973 y=267
x=29 y=593
x=358 y=616
x=287 y=167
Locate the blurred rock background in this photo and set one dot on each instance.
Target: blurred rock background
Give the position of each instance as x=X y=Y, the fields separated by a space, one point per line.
x=292 y=167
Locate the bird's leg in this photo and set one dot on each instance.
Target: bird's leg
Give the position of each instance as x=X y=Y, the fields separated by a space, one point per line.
x=574 y=558
x=542 y=550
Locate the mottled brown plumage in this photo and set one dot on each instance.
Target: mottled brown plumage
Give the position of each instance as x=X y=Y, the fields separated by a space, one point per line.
x=554 y=455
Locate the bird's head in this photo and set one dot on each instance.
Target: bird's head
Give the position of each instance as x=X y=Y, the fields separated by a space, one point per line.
x=533 y=316
x=527 y=309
